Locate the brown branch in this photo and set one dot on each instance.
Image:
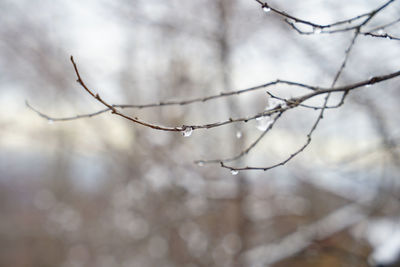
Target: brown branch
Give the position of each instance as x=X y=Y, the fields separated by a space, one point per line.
x=291 y=103
x=54 y=119
x=360 y=21
x=382 y=27
x=328 y=93
x=371 y=81
x=383 y=35
x=288 y=102
x=306 y=22
x=325 y=28
x=116 y=112
x=248 y=149
x=380 y=33
x=298 y=151
x=294 y=101
x=179 y=102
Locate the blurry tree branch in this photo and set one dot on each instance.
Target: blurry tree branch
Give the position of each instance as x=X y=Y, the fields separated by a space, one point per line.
x=293 y=243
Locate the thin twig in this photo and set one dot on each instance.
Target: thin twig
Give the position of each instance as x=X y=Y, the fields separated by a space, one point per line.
x=179 y=102
x=294 y=102
x=54 y=119
x=248 y=149
x=317 y=121
x=298 y=151
x=384 y=26
x=116 y=112
x=383 y=35
x=278 y=110
x=325 y=28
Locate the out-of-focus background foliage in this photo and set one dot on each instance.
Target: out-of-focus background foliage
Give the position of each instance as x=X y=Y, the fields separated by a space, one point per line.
x=105 y=192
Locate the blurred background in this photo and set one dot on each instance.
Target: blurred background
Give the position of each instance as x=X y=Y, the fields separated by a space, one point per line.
x=102 y=191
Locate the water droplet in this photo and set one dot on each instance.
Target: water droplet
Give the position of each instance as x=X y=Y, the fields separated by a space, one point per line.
x=239 y=134
x=234 y=172
x=263 y=123
x=380 y=32
x=317 y=30
x=368 y=85
x=200 y=163
x=187 y=131
x=266 y=9
x=291 y=21
x=50 y=121
x=274 y=103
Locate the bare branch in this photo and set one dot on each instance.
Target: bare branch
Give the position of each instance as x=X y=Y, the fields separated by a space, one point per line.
x=293 y=243
x=371 y=81
x=294 y=102
x=319 y=118
x=357 y=24
x=180 y=102
x=325 y=28
x=248 y=149
x=116 y=112
x=383 y=35
x=54 y=119
x=299 y=100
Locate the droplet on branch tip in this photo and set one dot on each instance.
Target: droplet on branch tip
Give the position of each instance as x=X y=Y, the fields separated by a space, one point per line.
x=317 y=30
x=266 y=9
x=187 y=131
x=263 y=123
x=200 y=163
